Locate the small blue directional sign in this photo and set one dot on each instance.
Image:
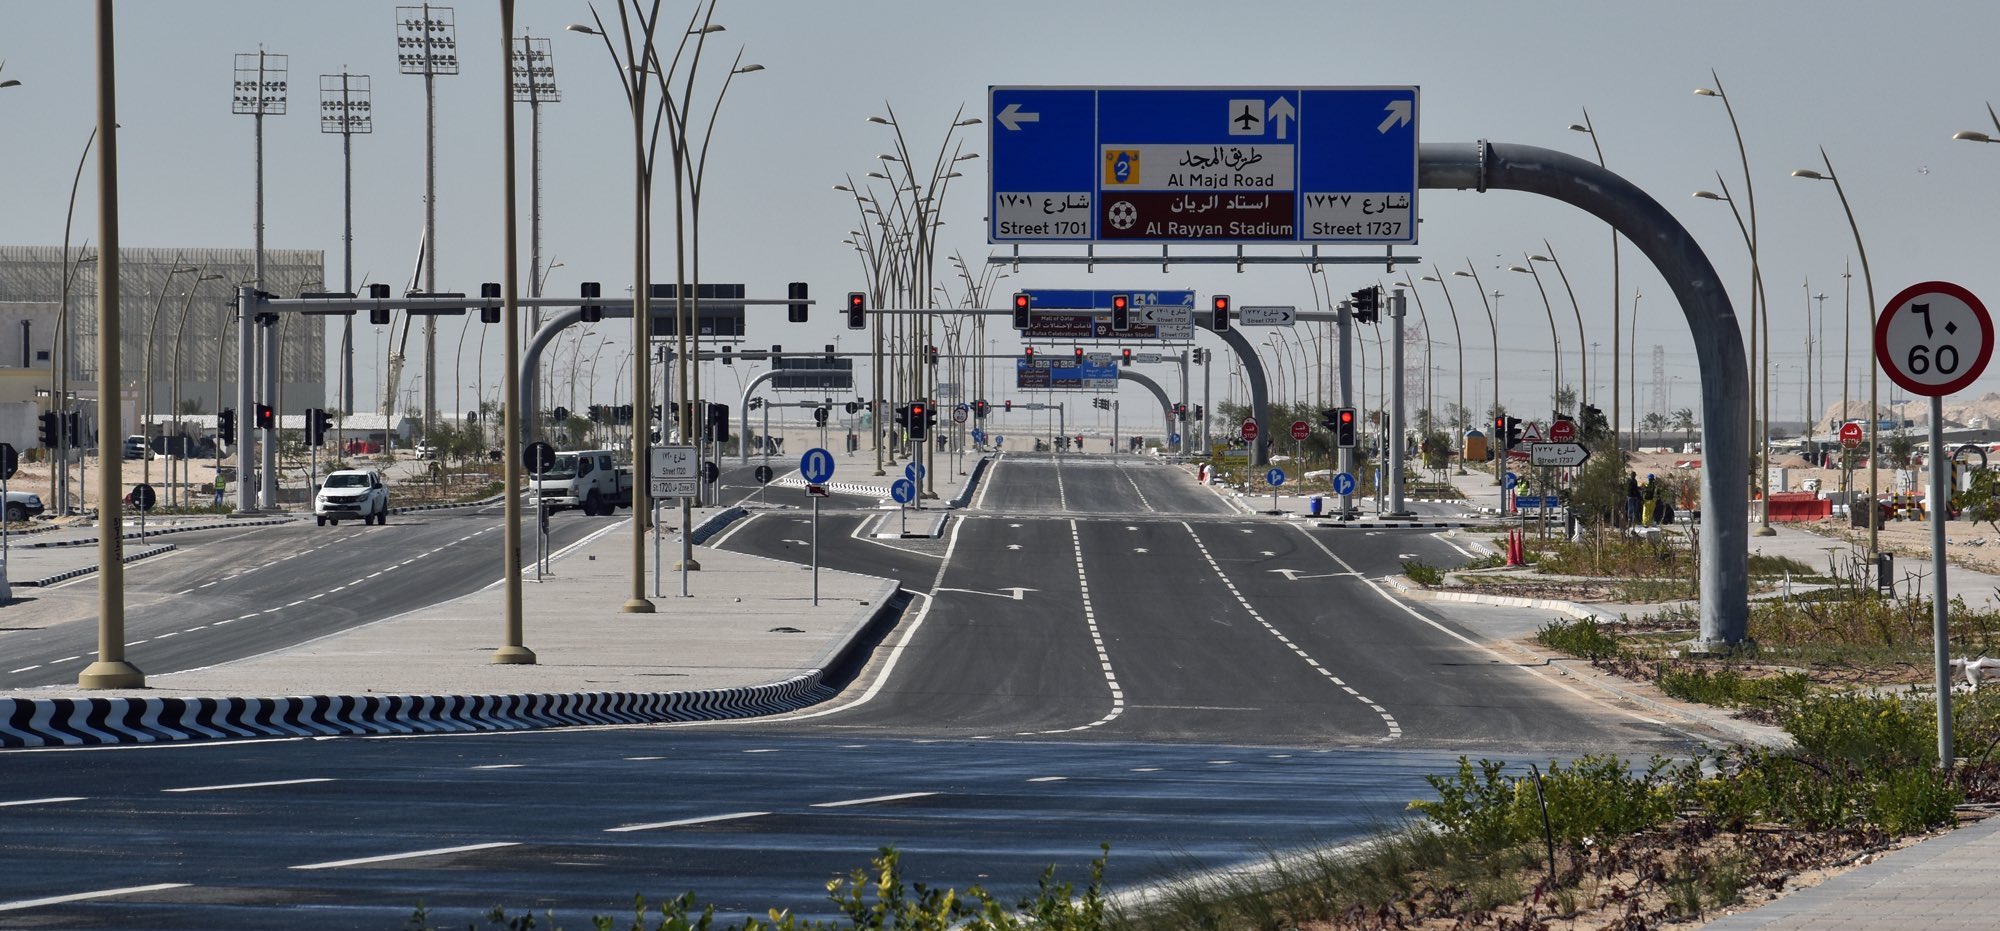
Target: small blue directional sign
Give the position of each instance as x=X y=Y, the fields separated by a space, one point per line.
x=1173 y=439
x=1510 y=481
x=1275 y=477
x=914 y=471
x=903 y=490
x=816 y=466
x=1203 y=164
x=1343 y=484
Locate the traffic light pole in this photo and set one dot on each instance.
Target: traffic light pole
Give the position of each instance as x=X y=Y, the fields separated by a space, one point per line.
x=269 y=479
x=246 y=417
x=1345 y=323
x=1398 y=304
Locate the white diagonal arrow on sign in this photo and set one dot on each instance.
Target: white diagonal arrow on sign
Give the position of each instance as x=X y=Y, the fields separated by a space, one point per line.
x=1012 y=117
x=1399 y=115
x=1279 y=112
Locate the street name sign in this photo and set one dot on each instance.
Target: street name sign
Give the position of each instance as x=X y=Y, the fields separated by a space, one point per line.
x=1560 y=455
x=1202 y=164
x=1168 y=315
x=674 y=472
x=1145 y=358
x=1266 y=316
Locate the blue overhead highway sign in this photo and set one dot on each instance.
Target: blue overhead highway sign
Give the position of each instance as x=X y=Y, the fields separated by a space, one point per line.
x=1195 y=164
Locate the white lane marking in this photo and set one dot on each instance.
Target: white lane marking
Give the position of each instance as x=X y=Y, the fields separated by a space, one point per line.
x=870 y=801
x=1096 y=640
x=1146 y=769
x=26 y=668
x=1221 y=762
x=51 y=800
x=1395 y=727
x=81 y=896
x=207 y=584
x=645 y=758
x=986 y=485
x=1442 y=536
x=770 y=750
x=1062 y=494
x=185 y=591
x=249 y=785
x=68 y=658
x=684 y=822
x=1048 y=779
x=745 y=522
x=1455 y=635
x=500 y=766
x=1135 y=488
x=412 y=855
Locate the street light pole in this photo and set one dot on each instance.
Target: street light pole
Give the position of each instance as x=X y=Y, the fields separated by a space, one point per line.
x=1499 y=410
x=1617 y=298
x=1555 y=339
x=344 y=108
x=1760 y=432
x=1459 y=334
x=512 y=651
x=1583 y=391
x=146 y=367
x=428 y=43
x=1874 y=417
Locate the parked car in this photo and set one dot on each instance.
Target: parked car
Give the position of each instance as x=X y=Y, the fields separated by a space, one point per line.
x=22 y=505
x=136 y=447
x=350 y=494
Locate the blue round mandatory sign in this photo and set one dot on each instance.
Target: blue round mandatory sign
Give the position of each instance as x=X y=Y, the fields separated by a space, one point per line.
x=915 y=471
x=1173 y=439
x=903 y=490
x=1275 y=477
x=816 y=466
x=1510 y=481
x=1343 y=484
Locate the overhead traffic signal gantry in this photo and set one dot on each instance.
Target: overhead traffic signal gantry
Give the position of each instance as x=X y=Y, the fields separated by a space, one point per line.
x=1125 y=357
x=378 y=316
x=1079 y=355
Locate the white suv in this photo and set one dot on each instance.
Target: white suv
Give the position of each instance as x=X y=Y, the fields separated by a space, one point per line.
x=352 y=493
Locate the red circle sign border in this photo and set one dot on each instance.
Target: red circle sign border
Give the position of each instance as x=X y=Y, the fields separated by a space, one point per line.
x=1955 y=385
x=1249 y=431
x=1301 y=429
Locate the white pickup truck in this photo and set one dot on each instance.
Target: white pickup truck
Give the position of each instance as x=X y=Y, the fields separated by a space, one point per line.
x=351 y=494
x=589 y=479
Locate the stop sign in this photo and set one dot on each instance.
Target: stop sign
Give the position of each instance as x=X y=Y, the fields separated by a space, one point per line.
x=1249 y=429
x=1850 y=435
x=1562 y=431
x=1301 y=430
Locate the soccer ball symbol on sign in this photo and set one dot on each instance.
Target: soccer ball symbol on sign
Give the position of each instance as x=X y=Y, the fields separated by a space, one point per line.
x=1122 y=215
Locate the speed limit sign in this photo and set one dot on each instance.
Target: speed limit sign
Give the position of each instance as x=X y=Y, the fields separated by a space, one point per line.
x=1934 y=338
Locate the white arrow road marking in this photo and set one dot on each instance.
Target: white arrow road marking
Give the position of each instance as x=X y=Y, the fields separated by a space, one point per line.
x=1013 y=546
x=1280 y=111
x=1293 y=575
x=1017 y=590
x=1406 y=555
x=1399 y=115
x=1138 y=549
x=799 y=542
x=1012 y=116
x=1267 y=552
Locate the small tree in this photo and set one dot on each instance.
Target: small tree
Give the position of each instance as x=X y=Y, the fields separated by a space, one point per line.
x=1684 y=422
x=1654 y=423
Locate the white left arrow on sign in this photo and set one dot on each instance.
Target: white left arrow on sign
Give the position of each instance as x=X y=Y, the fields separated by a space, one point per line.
x=1012 y=117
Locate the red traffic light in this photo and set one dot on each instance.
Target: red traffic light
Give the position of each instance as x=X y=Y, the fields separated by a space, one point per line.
x=1029 y=353
x=1079 y=353
x=1020 y=301
x=1222 y=303
x=855 y=301
x=1120 y=302
x=1346 y=416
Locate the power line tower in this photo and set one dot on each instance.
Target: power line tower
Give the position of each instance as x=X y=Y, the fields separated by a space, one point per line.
x=1659 y=404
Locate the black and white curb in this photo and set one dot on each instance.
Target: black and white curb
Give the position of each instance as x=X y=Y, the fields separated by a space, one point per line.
x=129 y=559
x=88 y=722
x=161 y=532
x=412 y=508
x=715 y=523
x=1397 y=524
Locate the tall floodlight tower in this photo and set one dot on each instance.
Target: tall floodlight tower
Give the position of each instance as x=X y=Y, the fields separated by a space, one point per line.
x=534 y=85
x=260 y=91
x=427 y=44
x=344 y=108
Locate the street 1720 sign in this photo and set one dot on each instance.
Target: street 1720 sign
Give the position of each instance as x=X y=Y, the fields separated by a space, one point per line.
x=1203 y=164
x=1934 y=338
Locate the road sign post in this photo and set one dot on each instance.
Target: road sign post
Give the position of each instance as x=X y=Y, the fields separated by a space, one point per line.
x=816 y=467
x=1935 y=338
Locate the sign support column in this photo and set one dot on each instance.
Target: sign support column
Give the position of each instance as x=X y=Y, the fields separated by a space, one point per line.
x=1345 y=323
x=1397 y=305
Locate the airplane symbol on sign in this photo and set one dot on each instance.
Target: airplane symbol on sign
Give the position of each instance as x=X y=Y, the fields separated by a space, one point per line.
x=1249 y=119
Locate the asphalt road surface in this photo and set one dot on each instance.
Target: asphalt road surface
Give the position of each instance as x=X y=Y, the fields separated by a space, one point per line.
x=1099 y=652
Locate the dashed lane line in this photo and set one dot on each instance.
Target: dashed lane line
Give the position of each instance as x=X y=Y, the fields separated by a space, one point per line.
x=848 y=803
x=51 y=800
x=250 y=785
x=1096 y=640
x=685 y=822
x=83 y=896
x=1395 y=727
x=412 y=855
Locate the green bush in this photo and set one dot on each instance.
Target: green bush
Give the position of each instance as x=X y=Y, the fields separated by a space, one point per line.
x=1731 y=689
x=1422 y=573
x=1583 y=638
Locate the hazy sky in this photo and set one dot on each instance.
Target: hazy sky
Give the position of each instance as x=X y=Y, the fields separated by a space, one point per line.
x=1882 y=86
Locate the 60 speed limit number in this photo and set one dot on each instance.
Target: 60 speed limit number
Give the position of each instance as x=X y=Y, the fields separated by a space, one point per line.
x=1934 y=338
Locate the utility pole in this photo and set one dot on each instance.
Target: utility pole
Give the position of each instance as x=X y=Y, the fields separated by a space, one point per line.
x=427 y=44
x=344 y=108
x=260 y=90
x=534 y=81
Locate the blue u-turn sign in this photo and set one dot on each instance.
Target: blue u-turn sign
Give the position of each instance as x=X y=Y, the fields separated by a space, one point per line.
x=816 y=466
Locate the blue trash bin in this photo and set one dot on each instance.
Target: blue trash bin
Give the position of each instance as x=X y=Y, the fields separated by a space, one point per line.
x=1317 y=502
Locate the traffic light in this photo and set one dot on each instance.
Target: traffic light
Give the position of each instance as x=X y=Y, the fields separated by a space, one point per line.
x=1367 y=304
x=1180 y=411
x=932 y=355
x=1343 y=427
x=857 y=310
x=916 y=418
x=1079 y=355
x=1028 y=353
x=488 y=313
x=267 y=418
x=718 y=423
x=1219 y=322
x=1021 y=310
x=225 y=424
x=318 y=422
x=1513 y=431
x=796 y=291
x=728 y=354
x=51 y=429
x=1200 y=412
x=624 y=415
x=597 y=413
x=1121 y=312
x=1125 y=357
x=1330 y=419
x=378 y=316
x=1100 y=404
x=979 y=409
x=73 y=428
x=1010 y=407
x=592 y=312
